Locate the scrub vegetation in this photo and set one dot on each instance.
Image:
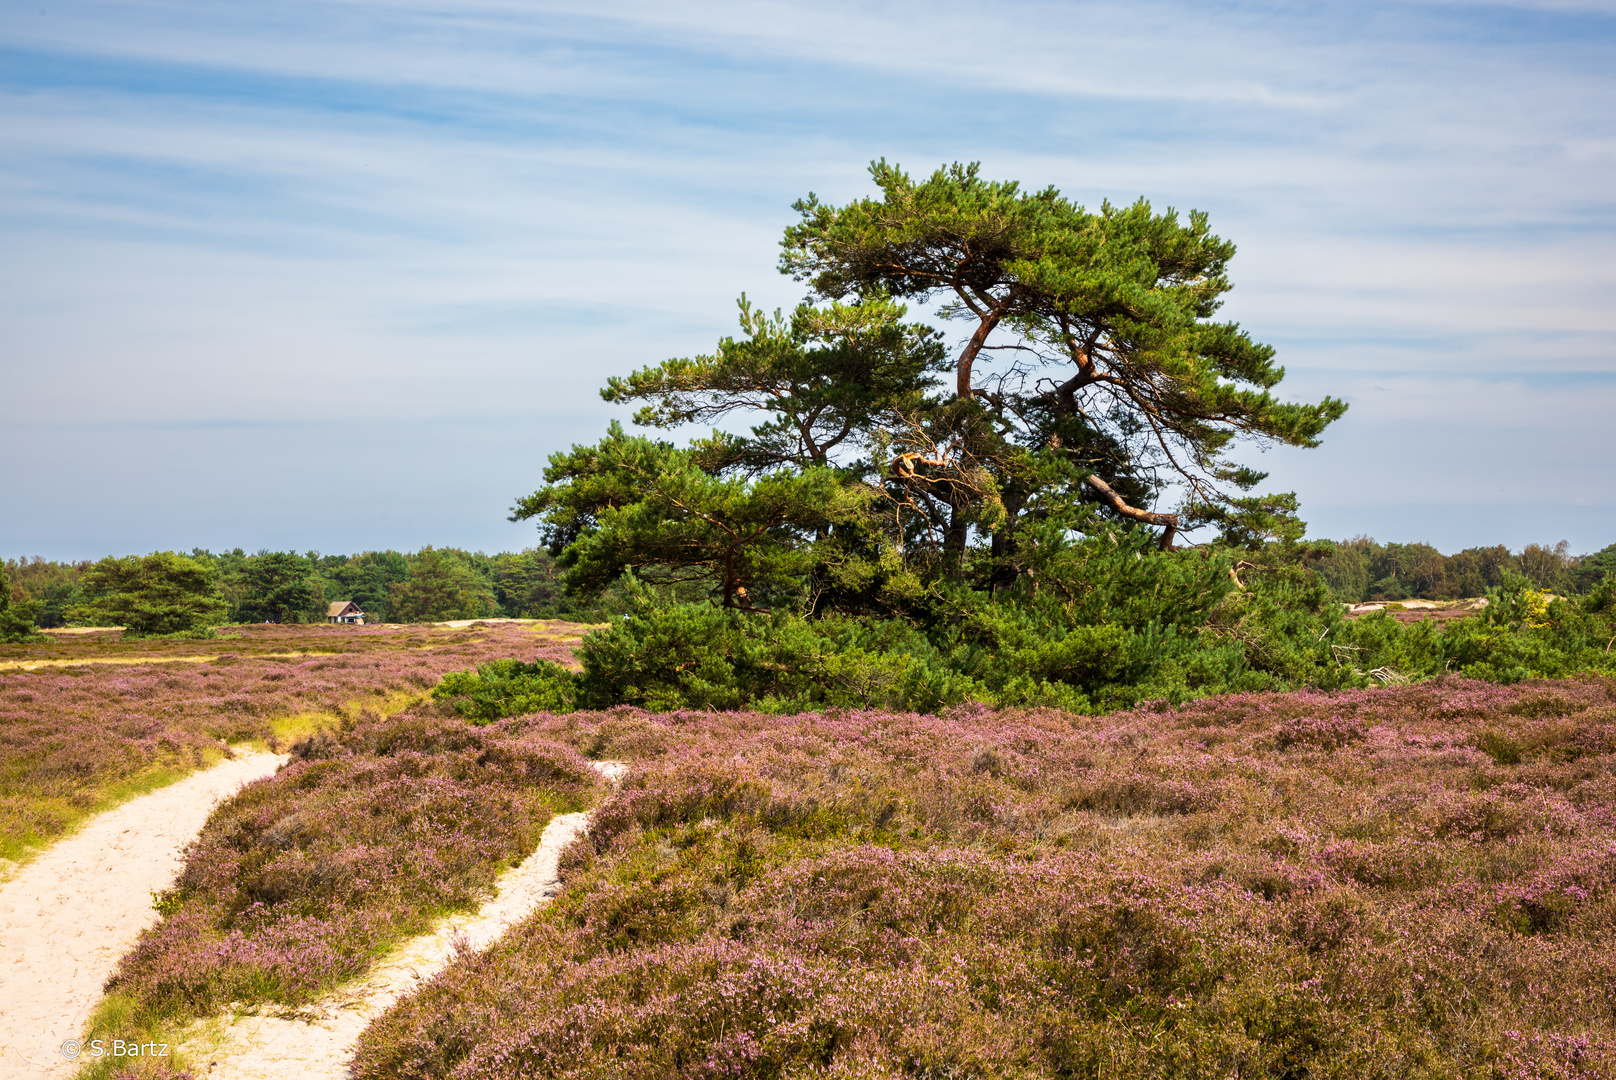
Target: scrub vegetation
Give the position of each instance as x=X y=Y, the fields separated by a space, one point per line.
x=904 y=527
x=1398 y=882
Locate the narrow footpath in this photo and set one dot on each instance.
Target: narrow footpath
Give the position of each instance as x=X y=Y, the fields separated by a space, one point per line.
x=68 y=916
x=319 y=1047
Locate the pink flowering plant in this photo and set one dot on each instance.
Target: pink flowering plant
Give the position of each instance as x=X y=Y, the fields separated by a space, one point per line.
x=1407 y=881
x=298 y=882
x=77 y=737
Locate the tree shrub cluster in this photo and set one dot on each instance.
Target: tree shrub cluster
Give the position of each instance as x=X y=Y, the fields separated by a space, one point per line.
x=157 y=594
x=887 y=536
x=444 y=583
x=431 y=585
x=1126 y=626
x=1361 y=569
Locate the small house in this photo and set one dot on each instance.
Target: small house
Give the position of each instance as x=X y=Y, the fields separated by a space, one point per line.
x=345 y=611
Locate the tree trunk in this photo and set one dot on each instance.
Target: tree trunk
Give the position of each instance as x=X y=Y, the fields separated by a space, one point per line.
x=1004 y=547
x=962 y=379
x=959 y=527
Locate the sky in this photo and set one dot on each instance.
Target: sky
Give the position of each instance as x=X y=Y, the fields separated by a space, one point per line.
x=341 y=276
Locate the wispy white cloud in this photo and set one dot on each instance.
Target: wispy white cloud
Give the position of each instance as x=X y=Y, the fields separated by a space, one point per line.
x=412 y=211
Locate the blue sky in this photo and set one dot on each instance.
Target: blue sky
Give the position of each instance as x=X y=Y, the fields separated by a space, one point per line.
x=342 y=275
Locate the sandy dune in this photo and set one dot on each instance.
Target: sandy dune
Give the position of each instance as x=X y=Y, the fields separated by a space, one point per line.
x=67 y=917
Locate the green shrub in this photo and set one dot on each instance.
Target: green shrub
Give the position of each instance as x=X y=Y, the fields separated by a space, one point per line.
x=696 y=656
x=508 y=688
x=17 y=618
x=1110 y=624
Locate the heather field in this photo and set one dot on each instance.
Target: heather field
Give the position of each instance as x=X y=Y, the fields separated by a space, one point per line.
x=299 y=881
x=89 y=720
x=1414 y=881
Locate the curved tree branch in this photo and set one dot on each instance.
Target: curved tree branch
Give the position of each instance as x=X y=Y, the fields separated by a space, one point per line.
x=1108 y=495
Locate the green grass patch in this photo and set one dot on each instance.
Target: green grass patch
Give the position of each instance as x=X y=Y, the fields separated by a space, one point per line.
x=118 y=1018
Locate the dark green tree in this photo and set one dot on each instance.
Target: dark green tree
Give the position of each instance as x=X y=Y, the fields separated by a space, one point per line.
x=441 y=586
x=828 y=381
x=54 y=585
x=528 y=584
x=1591 y=570
x=278 y=586
x=1110 y=380
x=1475 y=571
x=1549 y=568
x=367 y=580
x=1402 y=571
x=160 y=593
x=633 y=504
x=17 y=617
x=1105 y=317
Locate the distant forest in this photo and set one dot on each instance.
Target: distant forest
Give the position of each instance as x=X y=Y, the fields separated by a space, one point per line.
x=429 y=585
x=436 y=584
x=1361 y=569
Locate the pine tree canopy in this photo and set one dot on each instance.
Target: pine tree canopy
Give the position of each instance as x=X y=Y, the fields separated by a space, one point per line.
x=1104 y=316
x=1094 y=380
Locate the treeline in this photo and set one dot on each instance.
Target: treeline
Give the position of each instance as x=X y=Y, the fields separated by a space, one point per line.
x=436 y=584
x=429 y=585
x=1362 y=569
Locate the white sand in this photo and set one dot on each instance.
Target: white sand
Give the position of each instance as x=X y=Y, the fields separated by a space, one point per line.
x=270 y=1048
x=67 y=917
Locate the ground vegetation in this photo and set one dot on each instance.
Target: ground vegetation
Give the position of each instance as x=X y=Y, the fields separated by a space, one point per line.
x=96 y=722
x=300 y=881
x=1391 y=882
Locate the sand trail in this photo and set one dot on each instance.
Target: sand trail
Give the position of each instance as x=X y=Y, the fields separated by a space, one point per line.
x=68 y=916
x=259 y=1047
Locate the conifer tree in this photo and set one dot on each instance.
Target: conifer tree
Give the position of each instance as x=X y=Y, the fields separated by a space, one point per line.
x=1102 y=317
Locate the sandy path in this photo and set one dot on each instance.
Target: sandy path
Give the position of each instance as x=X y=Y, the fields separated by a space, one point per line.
x=271 y=1048
x=68 y=916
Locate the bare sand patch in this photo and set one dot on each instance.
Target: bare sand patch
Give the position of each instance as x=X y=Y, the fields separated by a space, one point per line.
x=71 y=913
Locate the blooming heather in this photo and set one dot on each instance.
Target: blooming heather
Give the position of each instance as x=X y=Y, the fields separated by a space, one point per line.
x=70 y=735
x=1408 y=881
x=296 y=883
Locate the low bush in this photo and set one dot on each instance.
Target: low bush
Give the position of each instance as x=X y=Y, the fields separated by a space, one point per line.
x=696 y=656
x=508 y=688
x=1195 y=635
